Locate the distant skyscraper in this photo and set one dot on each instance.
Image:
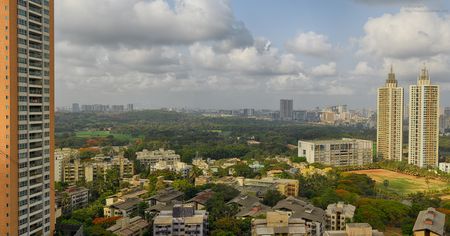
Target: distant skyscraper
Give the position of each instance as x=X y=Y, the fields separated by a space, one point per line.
x=75 y=108
x=424 y=122
x=130 y=107
x=27 y=124
x=286 y=109
x=390 y=120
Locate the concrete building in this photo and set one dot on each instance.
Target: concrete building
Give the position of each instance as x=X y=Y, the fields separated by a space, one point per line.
x=445 y=167
x=135 y=226
x=429 y=223
x=150 y=158
x=286 y=109
x=76 y=108
x=177 y=166
x=287 y=187
x=355 y=229
x=72 y=199
x=249 y=206
x=27 y=118
x=390 y=120
x=124 y=208
x=313 y=217
x=130 y=107
x=74 y=170
x=278 y=223
x=338 y=215
x=61 y=156
x=201 y=198
x=181 y=220
x=345 y=152
x=117 y=108
x=424 y=122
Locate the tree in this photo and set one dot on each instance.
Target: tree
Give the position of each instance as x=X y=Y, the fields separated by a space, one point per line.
x=272 y=197
x=182 y=185
x=386 y=183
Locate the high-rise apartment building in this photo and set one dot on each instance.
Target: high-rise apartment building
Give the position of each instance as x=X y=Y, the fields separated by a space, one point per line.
x=76 y=107
x=424 y=122
x=286 y=109
x=390 y=120
x=26 y=114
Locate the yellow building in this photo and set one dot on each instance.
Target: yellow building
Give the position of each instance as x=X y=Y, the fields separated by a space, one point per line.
x=390 y=120
x=424 y=122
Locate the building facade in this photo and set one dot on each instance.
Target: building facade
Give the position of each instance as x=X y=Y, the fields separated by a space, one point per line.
x=338 y=215
x=390 y=120
x=182 y=220
x=286 y=109
x=345 y=152
x=278 y=223
x=150 y=158
x=27 y=118
x=424 y=122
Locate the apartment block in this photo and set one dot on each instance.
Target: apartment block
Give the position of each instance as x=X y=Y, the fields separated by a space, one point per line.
x=390 y=120
x=27 y=118
x=151 y=158
x=338 y=215
x=72 y=199
x=287 y=187
x=424 y=122
x=127 y=226
x=278 y=223
x=182 y=220
x=345 y=152
x=286 y=109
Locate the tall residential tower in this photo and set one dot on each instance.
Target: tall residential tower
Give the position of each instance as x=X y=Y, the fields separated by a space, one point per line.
x=286 y=109
x=26 y=118
x=424 y=122
x=390 y=120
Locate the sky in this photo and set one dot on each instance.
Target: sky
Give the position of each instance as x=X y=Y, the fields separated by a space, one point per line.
x=233 y=54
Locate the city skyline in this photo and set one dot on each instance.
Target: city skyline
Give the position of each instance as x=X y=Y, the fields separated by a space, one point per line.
x=243 y=58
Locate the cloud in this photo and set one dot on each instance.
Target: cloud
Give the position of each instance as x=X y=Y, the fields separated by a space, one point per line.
x=140 y=22
x=310 y=43
x=362 y=68
x=413 y=32
x=324 y=70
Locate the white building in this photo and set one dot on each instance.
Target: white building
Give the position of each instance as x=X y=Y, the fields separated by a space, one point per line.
x=338 y=215
x=345 y=152
x=60 y=156
x=424 y=122
x=150 y=158
x=182 y=220
x=445 y=167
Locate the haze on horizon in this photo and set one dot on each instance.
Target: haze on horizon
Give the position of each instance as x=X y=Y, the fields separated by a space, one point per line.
x=235 y=54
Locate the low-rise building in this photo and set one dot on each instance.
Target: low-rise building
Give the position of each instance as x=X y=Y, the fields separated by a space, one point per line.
x=150 y=158
x=76 y=170
x=201 y=198
x=287 y=187
x=135 y=226
x=249 y=206
x=61 y=155
x=181 y=220
x=429 y=222
x=165 y=197
x=444 y=167
x=314 y=217
x=338 y=215
x=122 y=208
x=345 y=152
x=176 y=166
x=278 y=223
x=202 y=180
x=72 y=198
x=355 y=229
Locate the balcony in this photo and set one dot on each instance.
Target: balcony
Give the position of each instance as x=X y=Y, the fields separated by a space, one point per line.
x=34 y=81
x=35 y=100
x=35 y=19
x=36 y=55
x=35 y=118
x=38 y=2
x=34 y=9
x=36 y=154
x=37 y=91
x=35 y=36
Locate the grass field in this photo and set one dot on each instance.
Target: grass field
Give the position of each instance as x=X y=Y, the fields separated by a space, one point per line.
x=402 y=183
x=96 y=134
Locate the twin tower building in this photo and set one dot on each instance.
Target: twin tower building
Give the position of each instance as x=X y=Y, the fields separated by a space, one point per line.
x=423 y=148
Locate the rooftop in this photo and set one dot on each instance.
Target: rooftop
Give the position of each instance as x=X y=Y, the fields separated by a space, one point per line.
x=301 y=209
x=431 y=220
x=127 y=204
x=167 y=195
x=202 y=197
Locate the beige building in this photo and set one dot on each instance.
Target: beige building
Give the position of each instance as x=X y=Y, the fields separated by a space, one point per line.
x=278 y=223
x=338 y=215
x=430 y=223
x=390 y=120
x=76 y=170
x=61 y=155
x=287 y=187
x=424 y=122
x=27 y=118
x=150 y=158
x=182 y=220
x=135 y=226
x=355 y=229
x=345 y=152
